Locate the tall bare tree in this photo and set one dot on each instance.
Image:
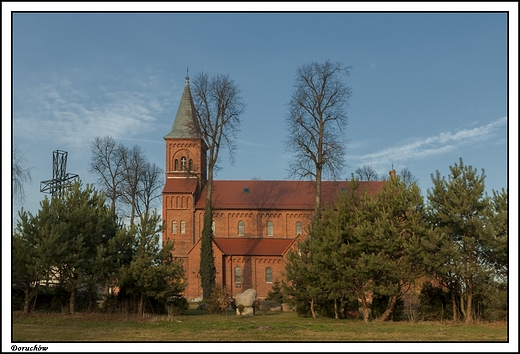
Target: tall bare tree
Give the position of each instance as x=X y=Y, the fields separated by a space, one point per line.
x=107 y=164
x=125 y=176
x=150 y=187
x=134 y=163
x=218 y=107
x=316 y=121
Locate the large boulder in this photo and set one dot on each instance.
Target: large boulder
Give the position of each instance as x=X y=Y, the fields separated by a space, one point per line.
x=245 y=303
x=247 y=298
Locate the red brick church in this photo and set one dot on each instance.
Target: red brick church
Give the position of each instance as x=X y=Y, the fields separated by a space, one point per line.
x=255 y=222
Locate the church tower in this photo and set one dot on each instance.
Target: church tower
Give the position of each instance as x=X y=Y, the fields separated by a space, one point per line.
x=185 y=175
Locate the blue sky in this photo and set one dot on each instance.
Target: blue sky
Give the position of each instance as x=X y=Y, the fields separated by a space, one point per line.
x=428 y=87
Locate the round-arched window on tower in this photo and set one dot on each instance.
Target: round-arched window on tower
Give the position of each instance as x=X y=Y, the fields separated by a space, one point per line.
x=183 y=163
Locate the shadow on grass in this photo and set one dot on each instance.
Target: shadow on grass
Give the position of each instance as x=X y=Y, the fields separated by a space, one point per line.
x=198 y=312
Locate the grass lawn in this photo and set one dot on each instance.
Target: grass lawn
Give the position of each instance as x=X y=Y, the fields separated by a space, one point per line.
x=201 y=326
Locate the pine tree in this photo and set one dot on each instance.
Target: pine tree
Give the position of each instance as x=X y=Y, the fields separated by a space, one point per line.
x=396 y=228
x=498 y=256
x=65 y=241
x=303 y=284
x=151 y=272
x=365 y=245
x=461 y=214
x=28 y=264
x=276 y=293
x=322 y=272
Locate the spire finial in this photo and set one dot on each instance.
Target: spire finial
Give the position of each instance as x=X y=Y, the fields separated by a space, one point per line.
x=187 y=76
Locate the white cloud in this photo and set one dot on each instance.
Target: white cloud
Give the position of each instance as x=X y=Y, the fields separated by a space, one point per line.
x=75 y=111
x=422 y=148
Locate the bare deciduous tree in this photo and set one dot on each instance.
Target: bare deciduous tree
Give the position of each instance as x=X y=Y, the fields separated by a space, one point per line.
x=407 y=176
x=150 y=187
x=20 y=175
x=107 y=164
x=134 y=162
x=316 y=120
x=218 y=107
x=366 y=173
x=125 y=176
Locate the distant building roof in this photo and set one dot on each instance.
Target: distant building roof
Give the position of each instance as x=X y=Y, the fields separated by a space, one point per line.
x=253 y=246
x=185 y=124
x=258 y=194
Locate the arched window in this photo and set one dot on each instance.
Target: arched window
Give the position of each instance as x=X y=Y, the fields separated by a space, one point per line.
x=183 y=227
x=174 y=227
x=190 y=165
x=240 y=228
x=269 y=228
x=176 y=165
x=183 y=163
x=298 y=228
x=268 y=275
x=238 y=277
x=213 y=227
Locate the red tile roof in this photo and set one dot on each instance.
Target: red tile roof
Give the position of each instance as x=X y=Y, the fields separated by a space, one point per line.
x=180 y=185
x=252 y=246
x=256 y=194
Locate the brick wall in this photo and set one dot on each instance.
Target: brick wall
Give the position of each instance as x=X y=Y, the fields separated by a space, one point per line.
x=253 y=273
x=255 y=223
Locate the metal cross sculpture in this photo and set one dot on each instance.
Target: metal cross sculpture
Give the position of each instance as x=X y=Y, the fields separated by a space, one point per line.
x=60 y=178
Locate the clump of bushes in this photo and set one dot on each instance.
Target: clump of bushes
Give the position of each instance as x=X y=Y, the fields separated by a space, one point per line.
x=267 y=305
x=220 y=300
x=177 y=305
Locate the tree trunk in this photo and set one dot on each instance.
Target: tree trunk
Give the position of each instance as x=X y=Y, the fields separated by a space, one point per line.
x=132 y=211
x=140 y=307
x=454 y=307
x=72 y=305
x=365 y=309
x=317 y=201
x=26 y=304
x=462 y=306
x=469 y=290
x=90 y=298
x=389 y=309
x=469 y=302
x=336 y=312
x=312 y=309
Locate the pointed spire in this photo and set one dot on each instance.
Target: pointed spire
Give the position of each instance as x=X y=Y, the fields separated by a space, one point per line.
x=185 y=124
